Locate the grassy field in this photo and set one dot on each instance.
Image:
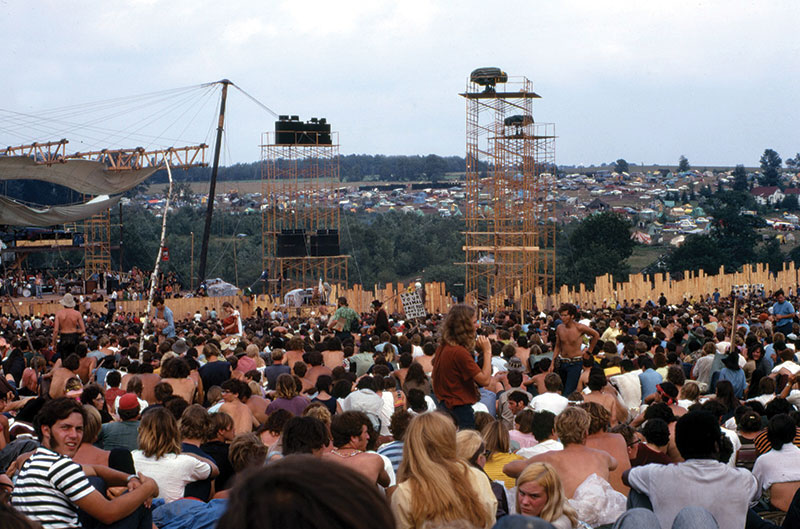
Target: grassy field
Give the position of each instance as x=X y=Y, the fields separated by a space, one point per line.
x=645 y=255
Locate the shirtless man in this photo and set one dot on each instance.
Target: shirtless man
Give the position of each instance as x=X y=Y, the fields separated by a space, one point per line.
x=68 y=327
x=597 y=382
x=243 y=419
x=350 y=437
x=576 y=461
x=175 y=372
x=60 y=374
x=257 y=404
x=294 y=352
x=612 y=443
x=569 y=336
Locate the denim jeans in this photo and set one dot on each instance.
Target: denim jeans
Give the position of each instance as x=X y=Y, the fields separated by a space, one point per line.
x=463 y=414
x=692 y=517
x=570 y=373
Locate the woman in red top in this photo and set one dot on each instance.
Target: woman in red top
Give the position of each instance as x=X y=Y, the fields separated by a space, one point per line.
x=455 y=372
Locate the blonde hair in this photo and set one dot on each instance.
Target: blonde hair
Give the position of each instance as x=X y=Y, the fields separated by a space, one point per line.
x=690 y=391
x=438 y=480
x=469 y=445
x=159 y=434
x=495 y=435
x=92 y=423
x=318 y=411
x=572 y=425
x=557 y=505
x=457 y=328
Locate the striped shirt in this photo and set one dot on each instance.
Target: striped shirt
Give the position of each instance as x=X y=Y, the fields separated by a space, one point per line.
x=394 y=451
x=48 y=487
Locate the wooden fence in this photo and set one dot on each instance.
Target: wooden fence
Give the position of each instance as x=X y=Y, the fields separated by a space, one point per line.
x=437 y=300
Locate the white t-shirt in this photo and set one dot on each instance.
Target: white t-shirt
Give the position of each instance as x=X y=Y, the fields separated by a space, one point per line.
x=545 y=446
x=552 y=402
x=726 y=492
x=171 y=472
x=778 y=466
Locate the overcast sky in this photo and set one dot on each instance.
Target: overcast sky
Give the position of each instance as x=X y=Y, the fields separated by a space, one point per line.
x=645 y=81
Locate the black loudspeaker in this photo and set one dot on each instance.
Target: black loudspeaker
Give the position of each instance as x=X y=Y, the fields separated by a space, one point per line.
x=291 y=243
x=325 y=243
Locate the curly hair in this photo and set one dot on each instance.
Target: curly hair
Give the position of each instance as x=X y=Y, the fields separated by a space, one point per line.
x=572 y=425
x=458 y=328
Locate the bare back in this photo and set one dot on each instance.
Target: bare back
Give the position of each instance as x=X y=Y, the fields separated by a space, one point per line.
x=368 y=465
x=183 y=387
x=149 y=383
x=576 y=463
x=60 y=377
x=68 y=321
x=292 y=357
x=614 y=445
x=332 y=359
x=241 y=414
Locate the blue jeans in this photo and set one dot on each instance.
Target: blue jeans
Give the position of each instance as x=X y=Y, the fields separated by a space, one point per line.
x=692 y=517
x=570 y=372
x=141 y=518
x=463 y=414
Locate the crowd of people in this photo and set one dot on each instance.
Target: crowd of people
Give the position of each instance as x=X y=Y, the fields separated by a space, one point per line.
x=643 y=416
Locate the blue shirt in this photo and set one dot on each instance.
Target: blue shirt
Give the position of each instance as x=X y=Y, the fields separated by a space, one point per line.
x=489 y=398
x=169 y=330
x=736 y=378
x=649 y=379
x=783 y=325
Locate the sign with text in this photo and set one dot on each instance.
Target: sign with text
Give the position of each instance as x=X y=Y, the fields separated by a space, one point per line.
x=412 y=305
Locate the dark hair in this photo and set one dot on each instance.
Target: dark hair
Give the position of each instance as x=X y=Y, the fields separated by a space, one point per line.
x=519 y=396
x=303 y=435
x=276 y=421
x=399 y=423
x=346 y=425
x=656 y=431
x=698 y=436
x=176 y=405
x=175 y=368
x=54 y=411
x=305 y=492
x=90 y=392
x=416 y=400
x=659 y=410
x=781 y=430
x=543 y=424
x=597 y=379
x=569 y=308
x=113 y=379
x=776 y=406
x=72 y=362
x=162 y=391
x=515 y=379
x=324 y=383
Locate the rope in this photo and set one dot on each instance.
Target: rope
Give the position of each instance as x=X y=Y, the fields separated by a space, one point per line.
x=256 y=101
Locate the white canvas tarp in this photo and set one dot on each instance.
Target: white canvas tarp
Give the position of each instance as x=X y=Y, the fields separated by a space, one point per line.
x=15 y=214
x=84 y=176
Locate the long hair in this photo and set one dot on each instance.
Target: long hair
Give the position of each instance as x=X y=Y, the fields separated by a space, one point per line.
x=159 y=434
x=495 y=435
x=469 y=446
x=457 y=328
x=285 y=387
x=547 y=478
x=438 y=479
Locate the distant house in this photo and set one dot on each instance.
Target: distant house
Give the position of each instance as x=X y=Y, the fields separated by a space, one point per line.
x=767 y=195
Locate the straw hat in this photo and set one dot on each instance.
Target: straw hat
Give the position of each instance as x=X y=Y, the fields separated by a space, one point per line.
x=68 y=301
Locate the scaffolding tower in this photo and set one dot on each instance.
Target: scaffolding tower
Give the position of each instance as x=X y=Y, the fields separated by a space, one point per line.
x=509 y=211
x=300 y=193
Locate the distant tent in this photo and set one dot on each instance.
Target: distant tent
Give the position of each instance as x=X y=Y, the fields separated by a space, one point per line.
x=641 y=237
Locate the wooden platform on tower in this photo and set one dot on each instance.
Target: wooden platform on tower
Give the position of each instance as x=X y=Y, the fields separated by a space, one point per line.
x=510 y=226
x=301 y=216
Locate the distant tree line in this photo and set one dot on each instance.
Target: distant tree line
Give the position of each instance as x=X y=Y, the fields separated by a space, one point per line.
x=352 y=168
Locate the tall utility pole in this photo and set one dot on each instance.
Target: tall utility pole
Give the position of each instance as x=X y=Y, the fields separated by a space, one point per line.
x=213 y=187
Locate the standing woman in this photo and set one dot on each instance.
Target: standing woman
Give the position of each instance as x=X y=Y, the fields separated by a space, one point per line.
x=456 y=375
x=435 y=485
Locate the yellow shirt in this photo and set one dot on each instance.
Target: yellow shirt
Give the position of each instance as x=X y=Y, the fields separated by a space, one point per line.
x=494 y=468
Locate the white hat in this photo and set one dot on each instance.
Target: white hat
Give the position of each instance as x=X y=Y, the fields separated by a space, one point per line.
x=68 y=301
